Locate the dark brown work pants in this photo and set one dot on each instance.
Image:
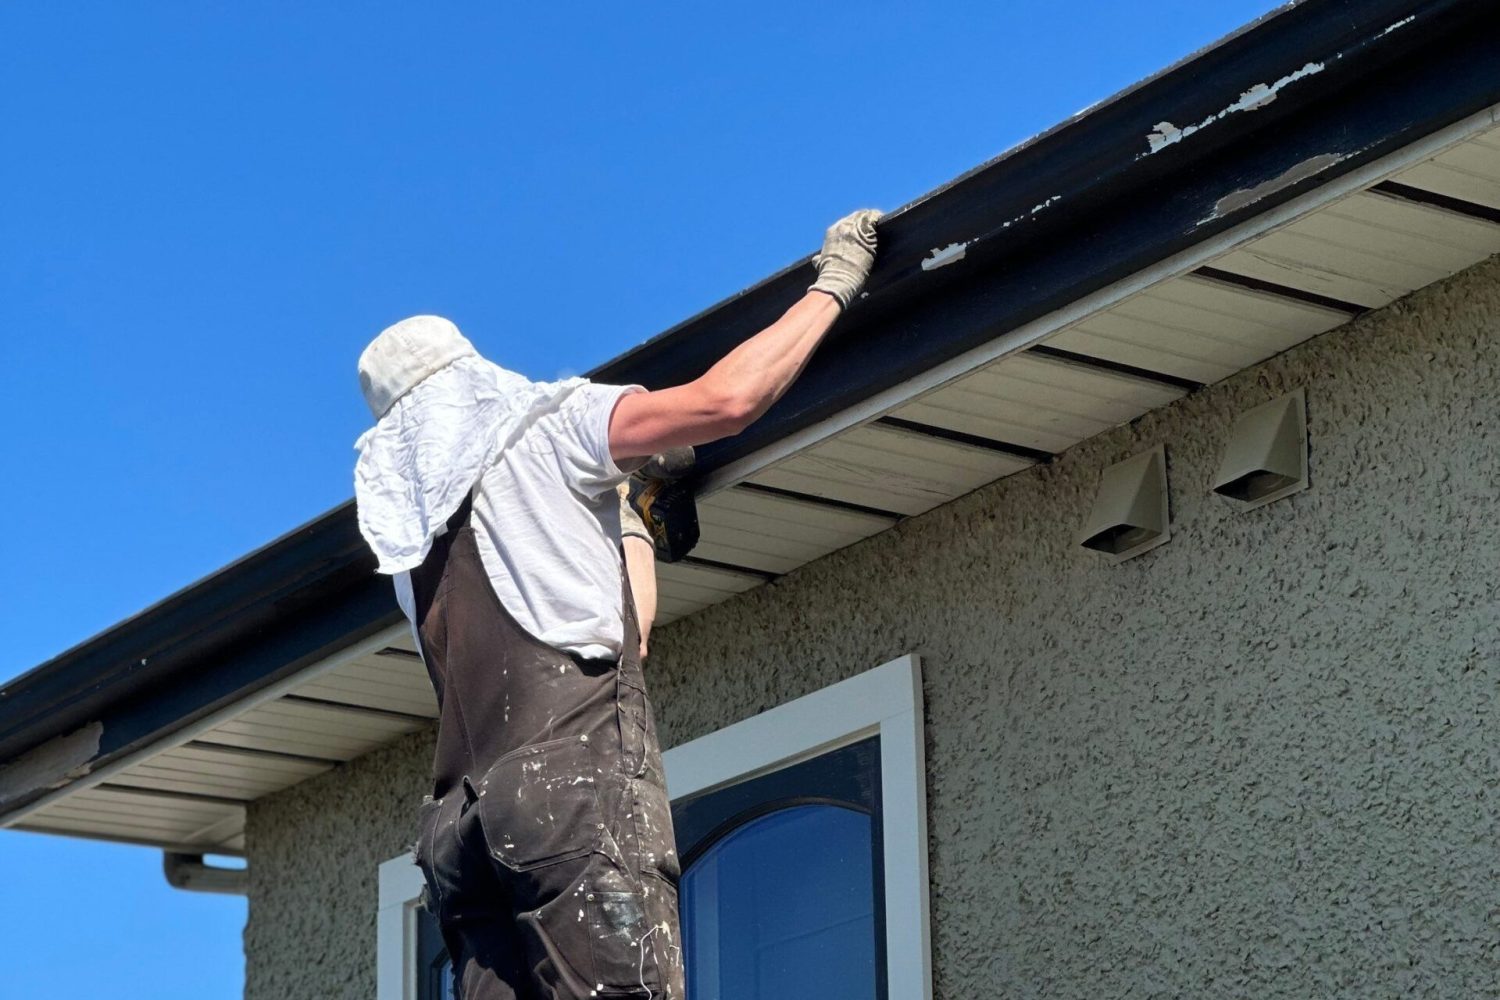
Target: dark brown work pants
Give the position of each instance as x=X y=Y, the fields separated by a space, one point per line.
x=547 y=843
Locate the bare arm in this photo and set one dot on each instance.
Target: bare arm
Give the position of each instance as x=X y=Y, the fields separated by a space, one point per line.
x=640 y=566
x=729 y=396
x=744 y=383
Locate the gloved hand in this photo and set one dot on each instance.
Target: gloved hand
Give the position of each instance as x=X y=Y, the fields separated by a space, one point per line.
x=847 y=256
x=630 y=519
x=674 y=463
x=662 y=503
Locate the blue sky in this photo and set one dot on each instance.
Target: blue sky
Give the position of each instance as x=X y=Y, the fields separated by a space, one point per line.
x=209 y=208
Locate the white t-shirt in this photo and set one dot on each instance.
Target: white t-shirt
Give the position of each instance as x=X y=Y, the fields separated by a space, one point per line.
x=547 y=524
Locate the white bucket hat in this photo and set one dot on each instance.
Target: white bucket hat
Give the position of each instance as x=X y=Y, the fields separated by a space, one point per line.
x=443 y=416
x=405 y=354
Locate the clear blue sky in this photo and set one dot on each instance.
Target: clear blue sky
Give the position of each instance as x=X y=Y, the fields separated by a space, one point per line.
x=209 y=208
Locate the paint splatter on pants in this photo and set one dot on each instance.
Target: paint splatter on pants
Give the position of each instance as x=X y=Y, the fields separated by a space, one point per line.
x=547 y=845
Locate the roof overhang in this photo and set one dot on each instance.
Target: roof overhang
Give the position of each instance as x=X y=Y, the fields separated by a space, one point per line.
x=1322 y=161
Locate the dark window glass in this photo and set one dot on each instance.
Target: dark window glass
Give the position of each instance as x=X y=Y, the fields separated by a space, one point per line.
x=434 y=970
x=783 y=907
x=782 y=894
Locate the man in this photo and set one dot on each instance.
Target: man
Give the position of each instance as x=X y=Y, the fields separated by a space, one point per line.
x=547 y=844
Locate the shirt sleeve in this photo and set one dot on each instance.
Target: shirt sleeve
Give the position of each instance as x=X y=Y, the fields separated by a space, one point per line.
x=581 y=441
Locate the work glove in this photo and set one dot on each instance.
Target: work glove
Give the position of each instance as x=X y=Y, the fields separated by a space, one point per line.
x=847 y=256
x=661 y=501
x=630 y=520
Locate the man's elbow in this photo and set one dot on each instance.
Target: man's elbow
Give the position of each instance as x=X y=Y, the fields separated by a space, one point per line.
x=731 y=412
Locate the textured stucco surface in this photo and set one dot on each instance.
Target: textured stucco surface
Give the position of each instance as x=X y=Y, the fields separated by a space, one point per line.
x=1259 y=761
x=314 y=851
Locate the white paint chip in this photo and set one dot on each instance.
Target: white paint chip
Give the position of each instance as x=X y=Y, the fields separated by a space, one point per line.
x=947 y=255
x=1166 y=134
x=1408 y=19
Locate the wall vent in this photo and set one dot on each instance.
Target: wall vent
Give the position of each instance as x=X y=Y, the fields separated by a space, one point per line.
x=1266 y=458
x=1130 y=513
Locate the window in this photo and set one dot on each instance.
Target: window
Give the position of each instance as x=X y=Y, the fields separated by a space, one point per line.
x=411 y=960
x=782 y=881
x=434 y=967
x=399 y=930
x=803 y=834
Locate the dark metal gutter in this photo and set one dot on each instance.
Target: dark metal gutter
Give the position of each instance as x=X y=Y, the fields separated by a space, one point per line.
x=1285 y=105
x=263 y=618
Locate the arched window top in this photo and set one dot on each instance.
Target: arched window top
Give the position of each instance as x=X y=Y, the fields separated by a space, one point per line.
x=784 y=905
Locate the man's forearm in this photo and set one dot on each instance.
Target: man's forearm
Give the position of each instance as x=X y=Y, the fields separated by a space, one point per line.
x=758 y=372
x=735 y=391
x=745 y=383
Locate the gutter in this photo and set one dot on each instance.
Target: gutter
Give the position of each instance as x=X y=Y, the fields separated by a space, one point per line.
x=191 y=873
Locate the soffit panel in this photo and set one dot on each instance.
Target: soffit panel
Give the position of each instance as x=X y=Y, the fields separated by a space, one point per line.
x=1367 y=249
x=776 y=534
x=391 y=681
x=683 y=588
x=311 y=730
x=1470 y=172
x=889 y=469
x=214 y=772
x=141 y=817
x=1038 y=402
x=1198 y=329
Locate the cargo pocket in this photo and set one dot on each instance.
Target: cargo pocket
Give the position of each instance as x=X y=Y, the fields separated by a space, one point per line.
x=630 y=710
x=623 y=941
x=422 y=849
x=539 y=805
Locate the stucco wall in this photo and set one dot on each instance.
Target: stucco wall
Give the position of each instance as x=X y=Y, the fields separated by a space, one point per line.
x=1258 y=761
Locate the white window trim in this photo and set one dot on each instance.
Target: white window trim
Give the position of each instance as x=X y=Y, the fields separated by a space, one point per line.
x=396 y=929
x=885 y=701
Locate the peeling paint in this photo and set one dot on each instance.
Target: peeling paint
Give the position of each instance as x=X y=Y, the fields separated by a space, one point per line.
x=947 y=255
x=1408 y=19
x=941 y=257
x=53 y=764
x=1244 y=197
x=1166 y=134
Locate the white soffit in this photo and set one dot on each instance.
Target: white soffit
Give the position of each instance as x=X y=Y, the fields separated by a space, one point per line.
x=190 y=793
x=135 y=816
x=1038 y=402
x=1468 y=172
x=1197 y=328
x=888 y=468
x=776 y=534
x=685 y=587
x=1368 y=249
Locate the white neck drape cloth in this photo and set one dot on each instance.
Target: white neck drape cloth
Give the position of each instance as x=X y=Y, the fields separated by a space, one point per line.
x=425 y=454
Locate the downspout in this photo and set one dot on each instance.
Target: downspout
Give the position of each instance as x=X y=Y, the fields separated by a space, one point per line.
x=190 y=872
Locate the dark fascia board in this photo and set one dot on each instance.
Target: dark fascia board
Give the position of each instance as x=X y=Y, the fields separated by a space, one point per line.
x=263 y=617
x=1288 y=103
